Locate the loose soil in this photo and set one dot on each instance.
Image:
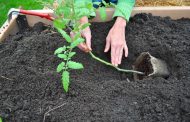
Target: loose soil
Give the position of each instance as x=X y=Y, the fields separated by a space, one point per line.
x=29 y=85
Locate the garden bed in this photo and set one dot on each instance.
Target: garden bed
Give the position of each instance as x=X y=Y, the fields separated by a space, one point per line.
x=175 y=12
x=30 y=86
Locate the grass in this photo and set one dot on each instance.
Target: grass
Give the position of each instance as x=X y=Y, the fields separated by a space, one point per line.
x=5 y=5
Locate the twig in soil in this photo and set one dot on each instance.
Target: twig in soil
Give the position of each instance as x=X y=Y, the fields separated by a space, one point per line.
x=51 y=33
x=6 y=78
x=109 y=64
x=128 y=80
x=52 y=110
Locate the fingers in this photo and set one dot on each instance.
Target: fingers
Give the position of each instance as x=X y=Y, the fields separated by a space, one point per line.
x=87 y=35
x=83 y=47
x=113 y=55
x=108 y=44
x=116 y=51
x=117 y=54
x=126 y=50
x=88 y=42
x=113 y=51
x=86 y=47
x=72 y=34
x=120 y=55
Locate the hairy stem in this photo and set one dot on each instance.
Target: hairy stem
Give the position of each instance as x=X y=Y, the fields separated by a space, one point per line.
x=66 y=64
x=109 y=64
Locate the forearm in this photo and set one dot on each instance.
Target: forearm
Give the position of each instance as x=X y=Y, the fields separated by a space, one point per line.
x=124 y=9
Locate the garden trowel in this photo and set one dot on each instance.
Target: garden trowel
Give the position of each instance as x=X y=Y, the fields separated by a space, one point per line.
x=39 y=13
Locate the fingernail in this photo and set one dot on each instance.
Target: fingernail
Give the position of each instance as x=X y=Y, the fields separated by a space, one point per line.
x=106 y=50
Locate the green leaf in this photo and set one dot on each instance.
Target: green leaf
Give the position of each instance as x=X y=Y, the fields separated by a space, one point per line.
x=77 y=42
x=78 y=35
x=65 y=80
x=58 y=23
x=47 y=1
x=81 y=13
x=103 y=14
x=104 y=2
x=81 y=5
x=65 y=35
x=71 y=54
x=63 y=56
x=60 y=50
x=59 y=1
x=89 y=5
x=63 y=10
x=75 y=65
x=76 y=27
x=85 y=26
x=60 y=66
x=1 y=120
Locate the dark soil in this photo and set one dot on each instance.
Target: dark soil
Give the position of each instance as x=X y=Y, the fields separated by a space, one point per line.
x=29 y=85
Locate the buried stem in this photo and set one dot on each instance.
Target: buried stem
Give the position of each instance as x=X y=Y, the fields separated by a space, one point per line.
x=109 y=64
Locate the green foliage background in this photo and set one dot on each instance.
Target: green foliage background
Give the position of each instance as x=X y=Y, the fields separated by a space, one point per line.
x=5 y=5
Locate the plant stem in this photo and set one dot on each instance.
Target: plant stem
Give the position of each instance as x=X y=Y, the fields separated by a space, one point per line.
x=109 y=64
x=68 y=58
x=73 y=7
x=73 y=18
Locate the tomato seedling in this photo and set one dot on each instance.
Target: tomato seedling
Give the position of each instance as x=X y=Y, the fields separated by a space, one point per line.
x=68 y=13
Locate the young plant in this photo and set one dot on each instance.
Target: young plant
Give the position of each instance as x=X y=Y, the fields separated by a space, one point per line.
x=68 y=14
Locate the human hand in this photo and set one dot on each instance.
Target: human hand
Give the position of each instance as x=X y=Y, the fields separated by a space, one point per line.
x=116 y=40
x=86 y=34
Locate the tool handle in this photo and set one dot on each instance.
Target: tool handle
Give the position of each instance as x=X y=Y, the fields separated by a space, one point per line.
x=43 y=15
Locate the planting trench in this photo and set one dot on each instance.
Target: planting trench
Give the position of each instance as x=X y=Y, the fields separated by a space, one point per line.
x=29 y=85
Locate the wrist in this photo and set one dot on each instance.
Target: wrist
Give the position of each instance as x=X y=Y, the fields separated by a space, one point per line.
x=120 y=22
x=84 y=20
